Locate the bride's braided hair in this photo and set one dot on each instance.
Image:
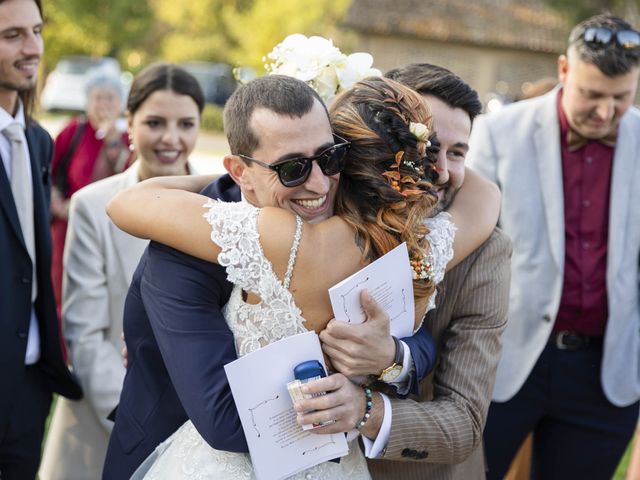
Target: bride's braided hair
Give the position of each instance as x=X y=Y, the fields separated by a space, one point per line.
x=375 y=117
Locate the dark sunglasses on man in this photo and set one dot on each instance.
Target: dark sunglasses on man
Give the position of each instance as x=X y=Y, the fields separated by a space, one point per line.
x=603 y=36
x=295 y=171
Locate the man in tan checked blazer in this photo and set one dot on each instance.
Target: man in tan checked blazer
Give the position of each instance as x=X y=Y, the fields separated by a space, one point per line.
x=438 y=435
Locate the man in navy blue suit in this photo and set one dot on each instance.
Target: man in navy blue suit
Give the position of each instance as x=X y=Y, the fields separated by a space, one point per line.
x=177 y=338
x=32 y=364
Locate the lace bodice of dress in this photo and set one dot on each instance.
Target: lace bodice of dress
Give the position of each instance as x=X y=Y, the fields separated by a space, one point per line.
x=234 y=229
x=440 y=236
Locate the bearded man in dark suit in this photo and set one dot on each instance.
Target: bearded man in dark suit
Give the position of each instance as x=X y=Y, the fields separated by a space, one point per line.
x=32 y=364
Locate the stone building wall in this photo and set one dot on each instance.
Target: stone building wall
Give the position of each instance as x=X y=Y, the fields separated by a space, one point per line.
x=488 y=70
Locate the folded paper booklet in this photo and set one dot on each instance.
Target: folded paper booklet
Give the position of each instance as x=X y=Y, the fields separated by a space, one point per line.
x=389 y=282
x=278 y=446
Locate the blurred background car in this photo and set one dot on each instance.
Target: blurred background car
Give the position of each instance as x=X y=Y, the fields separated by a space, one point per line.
x=216 y=80
x=64 y=88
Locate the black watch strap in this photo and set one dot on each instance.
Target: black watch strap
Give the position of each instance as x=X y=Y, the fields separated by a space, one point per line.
x=399 y=358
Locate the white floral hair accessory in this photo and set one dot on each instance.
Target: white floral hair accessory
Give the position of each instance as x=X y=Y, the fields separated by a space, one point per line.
x=316 y=61
x=420 y=131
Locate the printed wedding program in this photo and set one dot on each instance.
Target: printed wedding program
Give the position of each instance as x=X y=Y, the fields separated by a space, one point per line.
x=278 y=446
x=389 y=282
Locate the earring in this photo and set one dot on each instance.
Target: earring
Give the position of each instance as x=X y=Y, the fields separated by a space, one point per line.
x=131 y=146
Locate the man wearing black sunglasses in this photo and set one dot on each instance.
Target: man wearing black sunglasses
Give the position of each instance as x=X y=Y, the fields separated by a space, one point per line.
x=285 y=155
x=293 y=172
x=568 y=164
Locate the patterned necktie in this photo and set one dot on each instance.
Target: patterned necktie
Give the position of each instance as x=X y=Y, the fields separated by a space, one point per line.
x=22 y=189
x=576 y=141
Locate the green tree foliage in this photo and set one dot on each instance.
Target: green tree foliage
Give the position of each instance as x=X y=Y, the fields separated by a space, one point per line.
x=138 y=32
x=240 y=32
x=259 y=27
x=192 y=30
x=96 y=27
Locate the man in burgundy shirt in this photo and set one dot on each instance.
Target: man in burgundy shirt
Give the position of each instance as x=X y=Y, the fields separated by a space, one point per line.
x=568 y=165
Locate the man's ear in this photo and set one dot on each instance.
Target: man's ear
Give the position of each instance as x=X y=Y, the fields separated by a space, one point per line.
x=236 y=168
x=563 y=68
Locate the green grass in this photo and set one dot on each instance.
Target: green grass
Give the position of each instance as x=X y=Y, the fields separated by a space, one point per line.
x=46 y=425
x=624 y=464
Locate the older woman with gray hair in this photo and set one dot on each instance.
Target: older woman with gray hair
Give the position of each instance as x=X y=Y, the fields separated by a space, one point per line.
x=90 y=147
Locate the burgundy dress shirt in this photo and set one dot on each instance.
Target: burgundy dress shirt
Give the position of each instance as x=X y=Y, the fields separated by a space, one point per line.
x=586 y=180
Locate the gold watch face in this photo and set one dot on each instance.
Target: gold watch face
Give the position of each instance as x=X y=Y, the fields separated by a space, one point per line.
x=389 y=374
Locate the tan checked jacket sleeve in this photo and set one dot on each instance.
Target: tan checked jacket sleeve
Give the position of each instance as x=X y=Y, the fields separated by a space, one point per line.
x=444 y=427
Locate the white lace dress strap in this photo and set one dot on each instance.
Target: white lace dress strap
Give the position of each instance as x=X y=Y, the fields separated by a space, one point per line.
x=440 y=237
x=234 y=230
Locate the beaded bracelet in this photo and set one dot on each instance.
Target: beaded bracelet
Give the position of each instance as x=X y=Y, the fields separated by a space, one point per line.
x=367 y=412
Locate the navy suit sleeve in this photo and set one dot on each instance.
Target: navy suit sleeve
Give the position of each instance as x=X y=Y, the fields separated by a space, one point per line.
x=183 y=297
x=423 y=353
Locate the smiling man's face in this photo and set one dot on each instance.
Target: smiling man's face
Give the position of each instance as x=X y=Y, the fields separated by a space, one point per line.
x=21 y=47
x=281 y=137
x=452 y=127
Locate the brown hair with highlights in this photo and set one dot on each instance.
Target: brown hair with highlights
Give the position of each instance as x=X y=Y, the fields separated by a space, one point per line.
x=375 y=117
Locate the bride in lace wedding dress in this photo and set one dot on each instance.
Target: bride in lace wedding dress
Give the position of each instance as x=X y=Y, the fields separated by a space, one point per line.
x=278 y=263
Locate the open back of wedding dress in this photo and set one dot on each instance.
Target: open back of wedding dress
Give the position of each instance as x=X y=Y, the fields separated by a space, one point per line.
x=186 y=455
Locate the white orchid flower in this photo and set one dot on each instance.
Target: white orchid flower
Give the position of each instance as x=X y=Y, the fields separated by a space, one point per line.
x=316 y=61
x=356 y=67
x=326 y=83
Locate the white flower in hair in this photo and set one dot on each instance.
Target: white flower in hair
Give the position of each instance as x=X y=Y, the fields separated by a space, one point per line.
x=316 y=61
x=420 y=131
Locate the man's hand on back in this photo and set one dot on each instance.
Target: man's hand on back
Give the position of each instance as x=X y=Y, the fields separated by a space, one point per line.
x=364 y=349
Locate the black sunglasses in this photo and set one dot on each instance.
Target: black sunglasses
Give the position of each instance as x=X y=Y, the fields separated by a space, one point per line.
x=295 y=171
x=602 y=36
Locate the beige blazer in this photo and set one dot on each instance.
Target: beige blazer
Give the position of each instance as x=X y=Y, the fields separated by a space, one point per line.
x=99 y=261
x=519 y=149
x=445 y=424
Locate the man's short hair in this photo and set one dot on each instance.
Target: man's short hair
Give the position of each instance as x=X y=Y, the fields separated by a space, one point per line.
x=611 y=59
x=428 y=79
x=281 y=94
